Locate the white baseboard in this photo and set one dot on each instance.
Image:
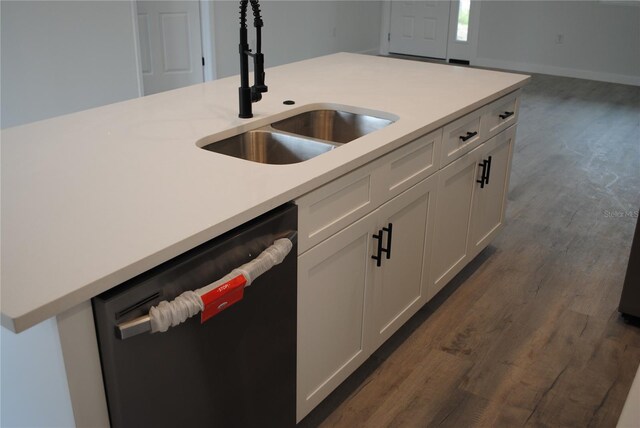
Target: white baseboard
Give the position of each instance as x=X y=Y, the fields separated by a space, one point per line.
x=372 y=51
x=557 y=71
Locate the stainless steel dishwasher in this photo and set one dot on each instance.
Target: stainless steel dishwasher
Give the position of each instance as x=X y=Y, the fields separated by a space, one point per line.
x=236 y=369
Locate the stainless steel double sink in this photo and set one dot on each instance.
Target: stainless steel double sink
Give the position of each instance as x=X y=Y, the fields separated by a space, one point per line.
x=298 y=138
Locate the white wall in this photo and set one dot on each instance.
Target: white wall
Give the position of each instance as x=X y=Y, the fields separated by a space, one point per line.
x=34 y=390
x=60 y=57
x=601 y=40
x=56 y=58
x=296 y=30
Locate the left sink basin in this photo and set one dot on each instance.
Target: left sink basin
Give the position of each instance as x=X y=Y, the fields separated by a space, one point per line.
x=269 y=147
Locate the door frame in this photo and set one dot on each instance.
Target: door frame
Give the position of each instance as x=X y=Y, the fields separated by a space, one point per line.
x=136 y=45
x=207 y=15
x=462 y=50
x=468 y=50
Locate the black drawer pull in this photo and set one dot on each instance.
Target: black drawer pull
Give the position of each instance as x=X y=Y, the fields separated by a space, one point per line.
x=506 y=114
x=389 y=230
x=469 y=135
x=378 y=257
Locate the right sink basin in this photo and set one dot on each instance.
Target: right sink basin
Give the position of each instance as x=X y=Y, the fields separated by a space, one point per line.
x=331 y=125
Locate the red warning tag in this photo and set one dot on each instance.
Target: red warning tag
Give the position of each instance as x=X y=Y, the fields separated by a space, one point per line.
x=222 y=297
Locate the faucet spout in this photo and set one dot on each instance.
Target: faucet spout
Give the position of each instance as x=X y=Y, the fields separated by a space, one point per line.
x=246 y=94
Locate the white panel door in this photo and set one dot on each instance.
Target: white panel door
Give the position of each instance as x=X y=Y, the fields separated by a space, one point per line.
x=419 y=28
x=170 y=44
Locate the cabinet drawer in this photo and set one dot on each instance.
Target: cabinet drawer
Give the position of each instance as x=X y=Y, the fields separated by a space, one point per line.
x=409 y=164
x=500 y=115
x=461 y=136
x=334 y=206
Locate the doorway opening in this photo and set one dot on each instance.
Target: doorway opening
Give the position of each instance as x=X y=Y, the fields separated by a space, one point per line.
x=172 y=36
x=441 y=30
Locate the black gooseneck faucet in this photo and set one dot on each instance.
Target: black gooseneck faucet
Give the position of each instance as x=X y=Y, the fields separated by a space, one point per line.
x=248 y=95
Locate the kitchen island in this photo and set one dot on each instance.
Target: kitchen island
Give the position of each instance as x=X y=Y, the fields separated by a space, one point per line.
x=100 y=196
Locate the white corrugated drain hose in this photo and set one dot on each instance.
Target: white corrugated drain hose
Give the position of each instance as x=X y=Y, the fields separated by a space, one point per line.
x=170 y=314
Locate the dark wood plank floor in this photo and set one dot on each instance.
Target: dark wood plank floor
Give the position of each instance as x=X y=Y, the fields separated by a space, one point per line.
x=528 y=333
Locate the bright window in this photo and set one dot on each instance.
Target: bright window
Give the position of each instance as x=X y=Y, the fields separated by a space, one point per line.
x=463 y=20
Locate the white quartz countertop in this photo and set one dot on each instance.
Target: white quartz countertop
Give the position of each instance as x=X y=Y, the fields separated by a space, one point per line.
x=94 y=198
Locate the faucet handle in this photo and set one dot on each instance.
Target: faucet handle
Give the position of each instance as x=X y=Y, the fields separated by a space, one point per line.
x=256 y=94
x=258 y=70
x=260 y=89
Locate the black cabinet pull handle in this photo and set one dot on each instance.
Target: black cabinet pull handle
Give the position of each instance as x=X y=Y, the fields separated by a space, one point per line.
x=378 y=257
x=469 y=135
x=483 y=175
x=486 y=172
x=506 y=114
x=389 y=230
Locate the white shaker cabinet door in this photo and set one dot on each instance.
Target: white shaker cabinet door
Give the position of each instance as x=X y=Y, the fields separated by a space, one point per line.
x=334 y=298
x=406 y=226
x=456 y=185
x=489 y=199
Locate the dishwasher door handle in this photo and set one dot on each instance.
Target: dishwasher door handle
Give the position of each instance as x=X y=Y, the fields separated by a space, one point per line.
x=134 y=327
x=170 y=314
